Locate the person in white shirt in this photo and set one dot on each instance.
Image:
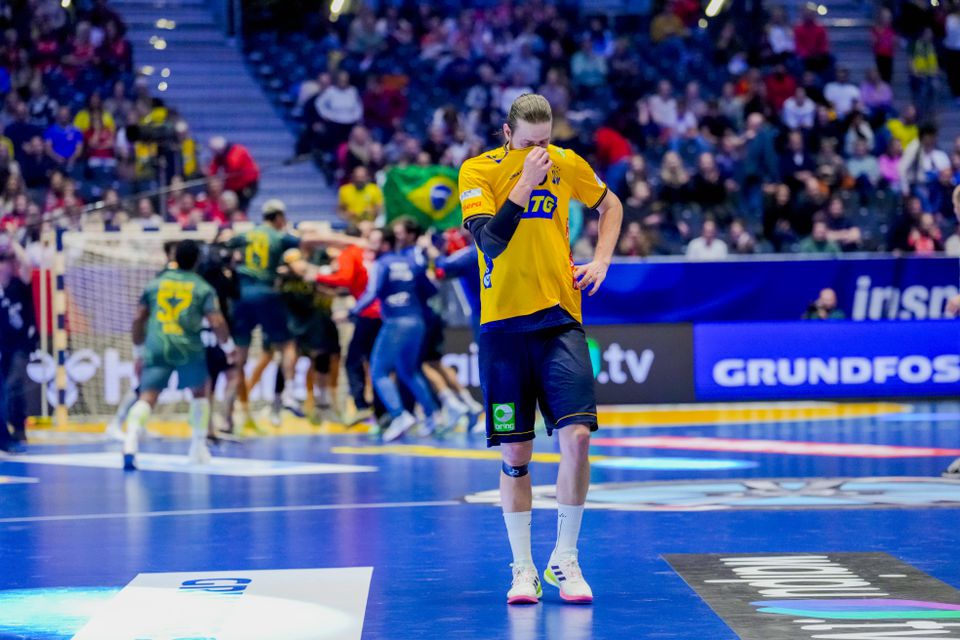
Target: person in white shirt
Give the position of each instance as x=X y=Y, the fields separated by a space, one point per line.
x=922 y=162
x=663 y=106
x=340 y=108
x=780 y=34
x=708 y=246
x=799 y=111
x=841 y=93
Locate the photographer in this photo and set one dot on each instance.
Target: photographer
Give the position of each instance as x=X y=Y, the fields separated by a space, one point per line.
x=18 y=338
x=216 y=267
x=824 y=307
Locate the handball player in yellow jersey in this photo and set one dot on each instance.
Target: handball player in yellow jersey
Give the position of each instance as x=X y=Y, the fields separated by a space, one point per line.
x=533 y=349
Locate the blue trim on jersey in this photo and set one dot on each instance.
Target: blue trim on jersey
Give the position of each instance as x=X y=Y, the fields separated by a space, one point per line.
x=545 y=319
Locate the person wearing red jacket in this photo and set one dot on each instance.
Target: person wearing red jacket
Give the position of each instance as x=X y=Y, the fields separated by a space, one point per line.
x=812 y=45
x=780 y=86
x=350 y=272
x=241 y=173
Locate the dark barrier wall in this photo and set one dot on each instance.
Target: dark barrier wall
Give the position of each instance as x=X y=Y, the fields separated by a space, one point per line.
x=632 y=364
x=771 y=290
x=826 y=360
x=658 y=363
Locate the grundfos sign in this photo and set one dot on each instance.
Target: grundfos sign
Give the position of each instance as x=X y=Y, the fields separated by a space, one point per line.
x=852 y=596
x=827 y=359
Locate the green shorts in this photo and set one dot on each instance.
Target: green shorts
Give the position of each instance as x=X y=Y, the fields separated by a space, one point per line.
x=316 y=333
x=265 y=309
x=190 y=375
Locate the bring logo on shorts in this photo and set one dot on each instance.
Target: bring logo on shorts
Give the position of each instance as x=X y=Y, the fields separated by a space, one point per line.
x=504 y=417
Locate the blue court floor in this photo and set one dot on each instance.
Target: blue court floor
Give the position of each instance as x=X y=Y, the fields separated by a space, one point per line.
x=75 y=529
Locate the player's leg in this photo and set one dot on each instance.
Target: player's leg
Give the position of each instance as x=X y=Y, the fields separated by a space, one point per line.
x=358 y=353
x=510 y=401
x=325 y=360
x=474 y=408
x=153 y=379
x=114 y=430
x=290 y=355
x=409 y=338
x=216 y=365
x=321 y=364
x=256 y=375
x=430 y=354
x=384 y=359
x=242 y=326
x=16 y=395
x=199 y=420
x=568 y=404
x=193 y=375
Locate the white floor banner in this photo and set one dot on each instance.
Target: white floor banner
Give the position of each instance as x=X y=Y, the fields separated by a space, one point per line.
x=295 y=604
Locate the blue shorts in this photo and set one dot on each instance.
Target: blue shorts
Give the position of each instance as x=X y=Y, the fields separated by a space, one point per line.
x=191 y=374
x=550 y=367
x=266 y=310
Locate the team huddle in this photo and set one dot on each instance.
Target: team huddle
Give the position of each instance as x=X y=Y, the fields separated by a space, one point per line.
x=532 y=347
x=198 y=316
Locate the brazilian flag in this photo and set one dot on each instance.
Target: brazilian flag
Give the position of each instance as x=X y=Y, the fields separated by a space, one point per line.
x=426 y=194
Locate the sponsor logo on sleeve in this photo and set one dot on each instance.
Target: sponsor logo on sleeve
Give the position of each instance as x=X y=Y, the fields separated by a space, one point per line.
x=471 y=193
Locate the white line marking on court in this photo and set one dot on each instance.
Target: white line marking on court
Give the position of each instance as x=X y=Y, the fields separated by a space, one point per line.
x=217 y=512
x=17 y=480
x=219 y=466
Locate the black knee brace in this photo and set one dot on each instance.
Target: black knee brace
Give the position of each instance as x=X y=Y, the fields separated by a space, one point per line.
x=515 y=472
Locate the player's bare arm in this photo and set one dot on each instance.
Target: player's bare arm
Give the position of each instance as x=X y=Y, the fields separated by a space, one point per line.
x=594 y=272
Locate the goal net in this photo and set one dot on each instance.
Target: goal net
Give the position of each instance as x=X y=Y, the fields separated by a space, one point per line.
x=104 y=273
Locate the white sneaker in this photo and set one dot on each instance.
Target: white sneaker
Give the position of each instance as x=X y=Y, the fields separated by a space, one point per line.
x=398 y=426
x=480 y=427
x=454 y=411
x=199 y=453
x=526 y=587
x=114 y=431
x=563 y=572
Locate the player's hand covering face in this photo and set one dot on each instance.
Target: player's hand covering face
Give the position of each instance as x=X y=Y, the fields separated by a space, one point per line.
x=536 y=165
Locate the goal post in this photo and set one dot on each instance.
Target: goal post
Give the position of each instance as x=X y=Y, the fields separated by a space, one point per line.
x=98 y=275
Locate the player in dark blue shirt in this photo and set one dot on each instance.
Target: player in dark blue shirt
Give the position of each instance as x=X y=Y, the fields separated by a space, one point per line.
x=403 y=288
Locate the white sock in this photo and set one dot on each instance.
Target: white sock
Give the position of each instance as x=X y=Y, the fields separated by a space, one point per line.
x=323 y=397
x=287 y=398
x=136 y=421
x=199 y=418
x=129 y=399
x=568 y=527
x=472 y=405
x=518 y=531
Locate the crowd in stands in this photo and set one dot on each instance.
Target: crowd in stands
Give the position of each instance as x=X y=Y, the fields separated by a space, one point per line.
x=721 y=139
x=81 y=134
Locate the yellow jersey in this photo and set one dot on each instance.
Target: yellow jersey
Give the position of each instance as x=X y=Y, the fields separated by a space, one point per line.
x=360 y=203
x=535 y=272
